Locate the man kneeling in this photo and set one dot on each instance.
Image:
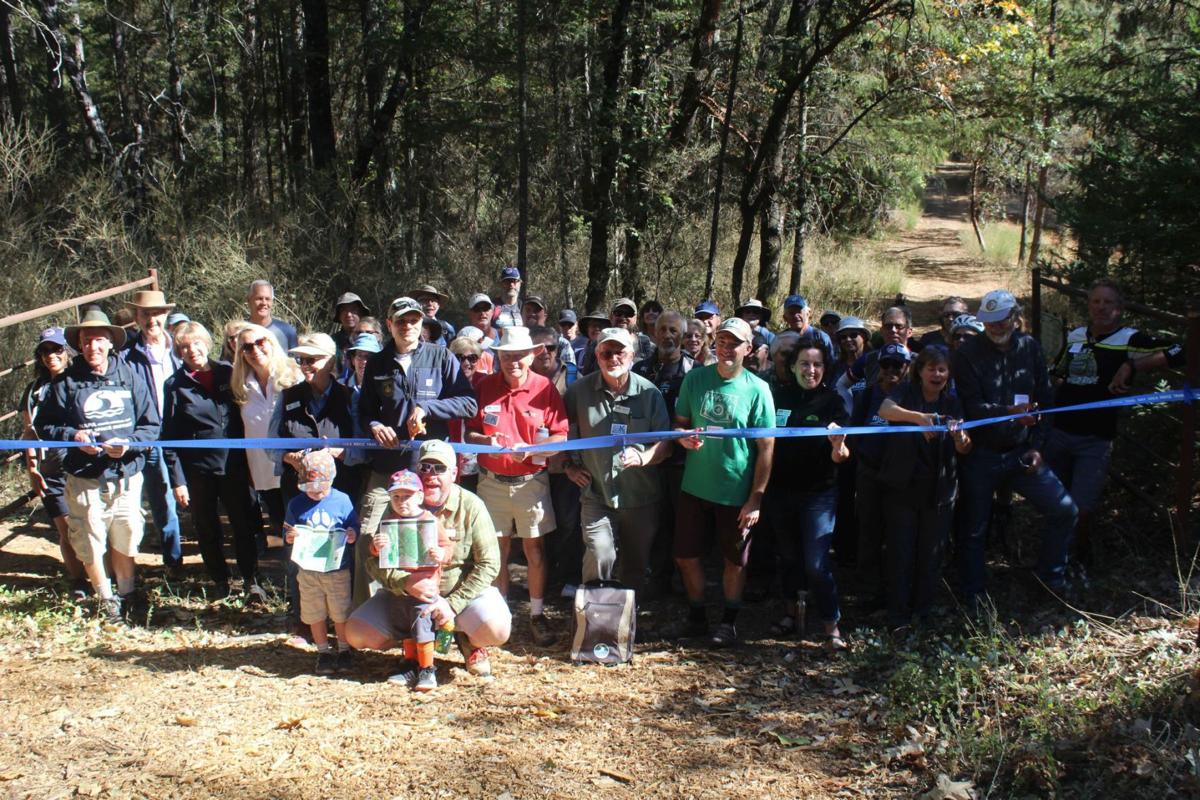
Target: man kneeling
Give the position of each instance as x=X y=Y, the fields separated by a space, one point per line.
x=464 y=595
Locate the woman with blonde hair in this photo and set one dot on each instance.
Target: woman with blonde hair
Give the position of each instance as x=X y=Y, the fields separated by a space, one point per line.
x=261 y=371
x=229 y=341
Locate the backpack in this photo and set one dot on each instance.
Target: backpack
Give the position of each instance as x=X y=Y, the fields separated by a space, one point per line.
x=605 y=623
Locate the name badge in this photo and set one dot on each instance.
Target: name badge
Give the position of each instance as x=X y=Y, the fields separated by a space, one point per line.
x=621 y=410
x=292 y=406
x=491 y=419
x=494 y=408
x=618 y=429
x=429 y=381
x=714 y=428
x=781 y=417
x=1020 y=399
x=1076 y=348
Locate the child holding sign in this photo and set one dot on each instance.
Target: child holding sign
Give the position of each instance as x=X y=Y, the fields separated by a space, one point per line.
x=410 y=539
x=319 y=524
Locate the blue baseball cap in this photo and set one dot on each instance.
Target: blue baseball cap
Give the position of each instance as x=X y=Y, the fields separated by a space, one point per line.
x=567 y=315
x=367 y=342
x=795 y=301
x=176 y=317
x=895 y=352
x=707 y=307
x=53 y=335
x=996 y=306
x=510 y=273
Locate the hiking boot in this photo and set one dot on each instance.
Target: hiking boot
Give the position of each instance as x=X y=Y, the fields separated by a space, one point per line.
x=542 y=632
x=724 y=635
x=110 y=612
x=134 y=608
x=219 y=592
x=407 y=676
x=426 y=680
x=326 y=663
x=345 y=660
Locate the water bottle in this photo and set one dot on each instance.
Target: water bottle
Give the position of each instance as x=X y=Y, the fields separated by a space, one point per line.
x=543 y=433
x=443 y=638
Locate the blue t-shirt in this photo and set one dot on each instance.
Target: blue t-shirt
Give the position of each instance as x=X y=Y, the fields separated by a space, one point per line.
x=334 y=511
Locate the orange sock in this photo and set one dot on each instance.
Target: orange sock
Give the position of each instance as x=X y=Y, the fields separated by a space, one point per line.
x=410 y=649
x=424 y=654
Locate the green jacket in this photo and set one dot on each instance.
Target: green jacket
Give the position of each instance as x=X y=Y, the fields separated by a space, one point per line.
x=475 y=562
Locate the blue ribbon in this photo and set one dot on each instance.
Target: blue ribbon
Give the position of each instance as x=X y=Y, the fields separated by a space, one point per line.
x=1184 y=395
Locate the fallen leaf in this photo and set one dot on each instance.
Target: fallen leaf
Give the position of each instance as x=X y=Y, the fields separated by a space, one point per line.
x=546 y=713
x=947 y=789
x=183 y=720
x=621 y=776
x=787 y=740
x=290 y=724
x=11 y=775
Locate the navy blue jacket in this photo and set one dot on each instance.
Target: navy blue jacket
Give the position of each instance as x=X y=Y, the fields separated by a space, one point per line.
x=191 y=412
x=433 y=381
x=115 y=405
x=987 y=379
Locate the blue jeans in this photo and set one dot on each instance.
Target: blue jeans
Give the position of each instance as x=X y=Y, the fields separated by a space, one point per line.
x=1081 y=463
x=803 y=525
x=982 y=472
x=156 y=490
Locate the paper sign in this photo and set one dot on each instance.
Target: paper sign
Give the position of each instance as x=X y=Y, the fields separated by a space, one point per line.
x=408 y=543
x=318 y=549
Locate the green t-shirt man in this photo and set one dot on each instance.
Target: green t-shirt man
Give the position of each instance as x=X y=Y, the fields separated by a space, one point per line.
x=722 y=471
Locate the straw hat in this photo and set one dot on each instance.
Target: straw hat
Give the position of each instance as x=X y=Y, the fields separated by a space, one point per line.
x=149 y=298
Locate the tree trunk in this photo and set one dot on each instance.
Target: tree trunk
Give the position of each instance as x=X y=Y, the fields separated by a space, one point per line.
x=247 y=86
x=770 y=248
x=322 y=141
x=178 y=112
x=700 y=72
x=1026 y=193
x=640 y=156
x=800 y=234
x=975 y=206
x=599 y=200
x=522 y=144
x=1039 y=216
x=14 y=106
x=715 y=227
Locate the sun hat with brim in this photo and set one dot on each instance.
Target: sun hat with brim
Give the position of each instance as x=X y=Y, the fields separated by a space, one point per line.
x=966 y=322
x=619 y=335
x=429 y=290
x=515 y=339
x=853 y=324
x=149 y=298
x=366 y=342
x=349 y=299
x=95 y=319
x=996 y=306
x=738 y=327
x=625 y=302
x=404 y=305
x=437 y=450
x=176 y=318
x=830 y=316
x=895 y=352
x=754 y=305
x=404 y=481
x=317 y=345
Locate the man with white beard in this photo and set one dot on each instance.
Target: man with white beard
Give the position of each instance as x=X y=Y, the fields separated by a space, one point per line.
x=621 y=486
x=1000 y=373
x=509 y=300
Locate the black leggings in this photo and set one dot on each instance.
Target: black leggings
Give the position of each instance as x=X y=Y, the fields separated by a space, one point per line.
x=234 y=493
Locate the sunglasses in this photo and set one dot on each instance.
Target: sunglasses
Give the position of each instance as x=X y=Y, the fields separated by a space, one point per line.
x=427 y=467
x=257 y=344
x=311 y=361
x=608 y=355
x=52 y=350
x=845 y=337
x=624 y=314
x=892 y=365
x=469 y=359
x=951 y=314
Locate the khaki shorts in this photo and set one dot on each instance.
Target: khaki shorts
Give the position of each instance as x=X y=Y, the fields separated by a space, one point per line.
x=521 y=509
x=104 y=514
x=324 y=595
x=391 y=615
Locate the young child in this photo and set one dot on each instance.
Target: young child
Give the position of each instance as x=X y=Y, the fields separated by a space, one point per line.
x=406 y=494
x=324 y=595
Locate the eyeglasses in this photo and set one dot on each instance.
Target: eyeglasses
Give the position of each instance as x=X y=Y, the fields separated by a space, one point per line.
x=624 y=313
x=845 y=337
x=257 y=344
x=895 y=326
x=469 y=359
x=427 y=467
x=53 y=350
x=311 y=361
x=608 y=355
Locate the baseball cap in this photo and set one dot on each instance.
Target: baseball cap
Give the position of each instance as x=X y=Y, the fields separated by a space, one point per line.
x=795 y=301
x=437 y=450
x=366 y=342
x=567 y=315
x=706 y=307
x=830 y=316
x=510 y=273
x=619 y=335
x=404 y=305
x=404 y=481
x=470 y=332
x=895 y=352
x=625 y=302
x=968 y=322
x=536 y=300
x=480 y=297
x=738 y=327
x=996 y=305
x=319 y=345
x=176 y=317
x=53 y=335
x=318 y=469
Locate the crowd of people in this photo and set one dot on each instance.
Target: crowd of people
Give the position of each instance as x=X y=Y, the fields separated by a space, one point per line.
x=646 y=513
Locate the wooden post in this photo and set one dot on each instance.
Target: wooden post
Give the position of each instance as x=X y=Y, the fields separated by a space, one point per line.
x=154 y=279
x=1035 y=303
x=1185 y=486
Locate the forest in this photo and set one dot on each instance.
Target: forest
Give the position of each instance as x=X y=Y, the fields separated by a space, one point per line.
x=629 y=148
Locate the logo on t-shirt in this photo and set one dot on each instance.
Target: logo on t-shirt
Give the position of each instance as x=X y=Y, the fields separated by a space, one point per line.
x=105 y=404
x=718 y=408
x=320 y=518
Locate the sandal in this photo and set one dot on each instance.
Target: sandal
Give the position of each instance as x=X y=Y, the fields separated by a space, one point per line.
x=784 y=626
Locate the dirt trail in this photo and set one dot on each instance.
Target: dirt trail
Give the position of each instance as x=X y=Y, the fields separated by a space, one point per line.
x=936 y=264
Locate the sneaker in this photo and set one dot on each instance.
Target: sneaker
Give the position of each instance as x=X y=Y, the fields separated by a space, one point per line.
x=724 y=635
x=80 y=591
x=345 y=660
x=541 y=631
x=219 y=592
x=426 y=680
x=326 y=663
x=110 y=612
x=478 y=663
x=407 y=676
